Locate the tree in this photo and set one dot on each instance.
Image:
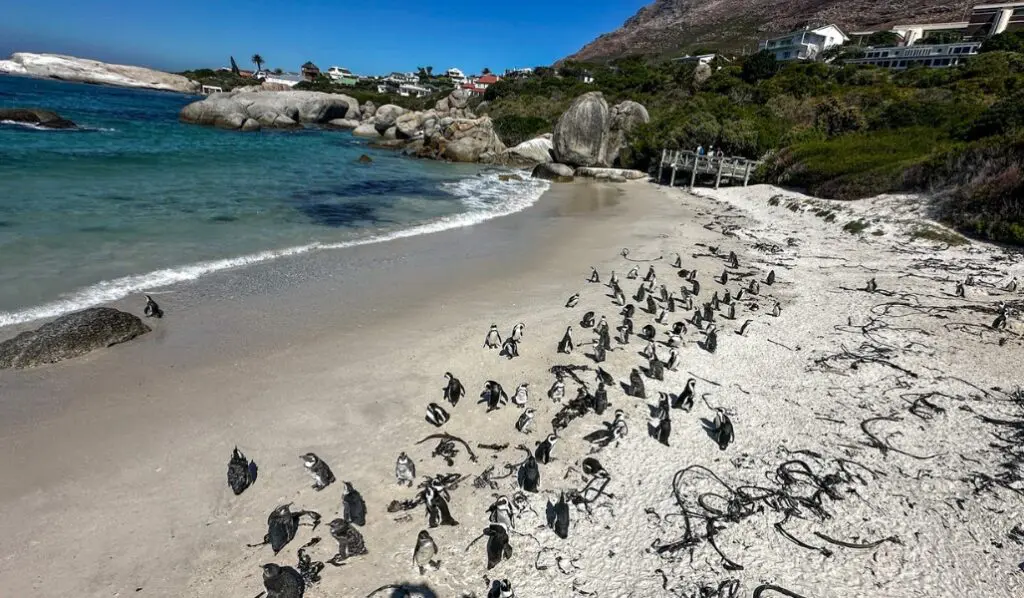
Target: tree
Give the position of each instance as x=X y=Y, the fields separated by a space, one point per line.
x=234 y=67
x=1005 y=42
x=882 y=38
x=760 y=66
x=258 y=61
x=430 y=71
x=485 y=71
x=278 y=71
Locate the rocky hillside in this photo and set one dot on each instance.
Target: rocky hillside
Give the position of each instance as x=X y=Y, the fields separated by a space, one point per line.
x=666 y=26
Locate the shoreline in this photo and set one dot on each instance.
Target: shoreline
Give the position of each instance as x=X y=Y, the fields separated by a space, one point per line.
x=310 y=355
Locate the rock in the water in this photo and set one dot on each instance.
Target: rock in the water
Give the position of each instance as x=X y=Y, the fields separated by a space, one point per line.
x=367 y=130
x=344 y=123
x=70 y=68
x=70 y=336
x=35 y=116
x=364 y=159
x=269 y=108
x=368 y=109
x=551 y=171
x=616 y=175
x=386 y=116
x=391 y=134
x=579 y=138
x=624 y=117
x=534 y=151
x=509 y=177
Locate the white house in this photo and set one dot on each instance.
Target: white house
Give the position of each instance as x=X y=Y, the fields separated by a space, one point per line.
x=289 y=79
x=804 y=44
x=416 y=91
x=929 y=55
x=456 y=75
x=699 y=59
x=340 y=72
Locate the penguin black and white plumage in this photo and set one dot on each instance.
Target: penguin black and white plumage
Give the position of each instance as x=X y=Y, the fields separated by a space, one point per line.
x=525 y=421
x=583 y=397
x=424 y=552
x=640 y=295
x=436 y=415
x=650 y=274
x=691 y=275
x=559 y=519
x=695 y=290
x=770 y=279
x=517 y=332
x=633 y=273
x=723 y=431
x=960 y=290
x=625 y=330
x=529 y=474
x=739 y=294
x=496 y=396
x=636 y=385
x=282 y=582
x=604 y=377
x=1000 y=322
x=711 y=340
x=498 y=547
x=239 y=472
x=350 y=541
x=628 y=311
x=501 y=512
x=282 y=525
x=594 y=276
x=588 y=320
x=650 y=350
x=438 y=511
x=600 y=399
x=727 y=297
x=453 y=391
x=753 y=288
x=670 y=304
x=734 y=262
x=405 y=470
x=544 y=447
x=730 y=311
x=573 y=300
x=652 y=307
x=522 y=395
x=648 y=332
x=679 y=328
x=501 y=588
x=600 y=353
x=685 y=399
x=493 y=338
x=871 y=286
x=743 y=328
x=353 y=507
x=1011 y=287
x=510 y=348
x=777 y=309
x=565 y=345
x=661 y=424
x=619 y=296
x=591 y=466
x=604 y=341
x=724 y=278
x=678 y=262
x=319 y=470
x=152 y=310
x=613 y=279
x=709 y=313
x=656 y=368
x=619 y=428
x=673 y=360
x=675 y=341
x=557 y=391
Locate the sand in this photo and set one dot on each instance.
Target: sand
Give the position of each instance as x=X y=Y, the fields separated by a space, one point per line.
x=112 y=476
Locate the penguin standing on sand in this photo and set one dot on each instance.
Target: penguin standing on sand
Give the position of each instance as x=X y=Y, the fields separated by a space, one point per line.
x=624 y=331
x=673 y=360
x=529 y=474
x=619 y=428
x=557 y=391
x=629 y=311
x=661 y=425
x=656 y=368
x=282 y=582
x=734 y=261
x=282 y=525
x=730 y=311
x=436 y=415
x=493 y=338
x=600 y=399
x=152 y=310
x=960 y=290
x=633 y=273
x=770 y=279
x=510 y=348
x=436 y=500
x=318 y=470
x=498 y=546
x=636 y=385
x=604 y=341
x=405 y=470
x=602 y=326
x=685 y=399
x=650 y=274
x=588 y=320
x=239 y=472
x=353 y=507
x=559 y=518
x=640 y=294
x=496 y=396
x=723 y=432
x=678 y=262
x=743 y=328
x=501 y=588
x=652 y=307
x=613 y=279
x=565 y=345
x=777 y=310
x=350 y=541
x=711 y=340
x=648 y=332
x=753 y=288
x=424 y=552
x=619 y=296
x=543 y=452
x=525 y=421
x=594 y=276
x=453 y=391
x=522 y=395
x=573 y=300
x=604 y=377
x=872 y=286
x=650 y=351
x=600 y=354
x=501 y=512
x=517 y=332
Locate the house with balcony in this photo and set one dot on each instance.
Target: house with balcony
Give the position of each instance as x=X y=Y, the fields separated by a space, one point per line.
x=928 y=55
x=804 y=44
x=456 y=75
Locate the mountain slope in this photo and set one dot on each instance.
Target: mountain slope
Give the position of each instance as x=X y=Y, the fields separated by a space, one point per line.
x=670 y=25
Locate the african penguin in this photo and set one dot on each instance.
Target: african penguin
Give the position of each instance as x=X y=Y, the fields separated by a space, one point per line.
x=671 y=302
x=573 y=300
x=594 y=276
x=754 y=288
x=613 y=279
x=640 y=294
x=543 y=452
x=777 y=310
x=660 y=426
x=960 y=289
x=739 y=294
x=675 y=341
x=600 y=399
x=282 y=582
x=239 y=472
x=724 y=279
x=734 y=262
x=685 y=399
x=588 y=320
x=696 y=288
x=872 y=286
x=743 y=328
x=493 y=338
x=565 y=345
x=602 y=325
x=770 y=279
x=604 y=341
x=633 y=273
x=604 y=377
x=405 y=470
x=436 y=415
x=652 y=307
x=636 y=385
x=501 y=588
x=496 y=396
x=628 y=311
x=723 y=431
x=453 y=391
x=529 y=474
x=510 y=348
x=678 y=328
x=730 y=312
x=648 y=332
x=525 y=421
x=498 y=547
x=620 y=297
x=559 y=518
x=656 y=368
x=673 y=360
x=350 y=541
x=624 y=331
x=501 y=512
x=678 y=262
x=650 y=351
x=692 y=275
x=522 y=395
x=517 y=332
x=424 y=552
x=318 y=469
x=619 y=429
x=591 y=466
x=353 y=507
x=557 y=391
x=663 y=293
x=650 y=274
x=281 y=527
x=152 y=310
x=711 y=340
x=600 y=353
x=436 y=501
x=727 y=297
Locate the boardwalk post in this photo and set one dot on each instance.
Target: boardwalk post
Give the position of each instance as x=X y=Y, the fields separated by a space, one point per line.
x=746 y=174
x=675 y=167
x=718 y=178
x=661 y=171
x=693 y=175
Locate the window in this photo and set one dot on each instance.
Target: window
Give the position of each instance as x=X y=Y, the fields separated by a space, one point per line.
x=903 y=63
x=786 y=55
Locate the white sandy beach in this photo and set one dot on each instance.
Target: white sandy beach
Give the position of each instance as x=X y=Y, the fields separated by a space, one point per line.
x=112 y=472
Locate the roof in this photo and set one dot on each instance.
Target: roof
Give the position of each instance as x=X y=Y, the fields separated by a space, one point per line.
x=492 y=78
x=811 y=30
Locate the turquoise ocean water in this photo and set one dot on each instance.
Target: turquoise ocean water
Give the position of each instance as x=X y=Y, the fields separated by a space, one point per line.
x=135 y=200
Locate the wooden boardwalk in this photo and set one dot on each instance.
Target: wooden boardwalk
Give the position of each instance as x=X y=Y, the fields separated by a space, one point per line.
x=724 y=168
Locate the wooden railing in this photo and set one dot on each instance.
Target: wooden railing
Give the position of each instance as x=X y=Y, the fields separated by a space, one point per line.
x=729 y=168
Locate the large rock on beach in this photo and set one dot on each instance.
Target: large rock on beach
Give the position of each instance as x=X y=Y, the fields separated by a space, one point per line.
x=386 y=116
x=70 y=68
x=344 y=123
x=459 y=98
x=367 y=130
x=36 y=116
x=409 y=124
x=612 y=174
x=579 y=135
x=534 y=151
x=624 y=118
x=70 y=336
x=471 y=140
x=277 y=109
x=551 y=171
x=367 y=110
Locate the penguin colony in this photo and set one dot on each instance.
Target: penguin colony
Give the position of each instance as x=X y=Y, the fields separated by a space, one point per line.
x=662 y=342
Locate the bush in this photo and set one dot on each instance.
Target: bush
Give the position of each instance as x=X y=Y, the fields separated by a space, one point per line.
x=1004 y=42
x=513 y=129
x=1003 y=117
x=834 y=119
x=760 y=66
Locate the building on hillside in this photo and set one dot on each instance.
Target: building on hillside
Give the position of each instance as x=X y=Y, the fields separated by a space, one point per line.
x=804 y=44
x=289 y=79
x=342 y=75
x=520 y=72
x=586 y=77
x=310 y=71
x=416 y=91
x=701 y=58
x=928 y=55
x=456 y=75
x=994 y=18
x=486 y=80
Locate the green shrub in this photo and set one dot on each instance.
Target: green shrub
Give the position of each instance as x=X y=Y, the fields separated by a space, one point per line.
x=514 y=129
x=833 y=118
x=760 y=66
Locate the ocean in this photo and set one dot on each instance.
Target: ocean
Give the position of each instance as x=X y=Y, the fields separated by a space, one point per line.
x=135 y=200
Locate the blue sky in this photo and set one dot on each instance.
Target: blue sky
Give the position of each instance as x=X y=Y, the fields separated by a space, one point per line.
x=367 y=36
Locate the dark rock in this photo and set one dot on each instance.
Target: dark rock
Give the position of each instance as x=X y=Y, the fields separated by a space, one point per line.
x=551 y=171
x=364 y=159
x=70 y=336
x=36 y=116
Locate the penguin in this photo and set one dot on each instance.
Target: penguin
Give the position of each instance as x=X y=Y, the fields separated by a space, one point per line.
x=588 y=320
x=969 y=281
x=692 y=275
x=648 y=332
x=436 y=500
x=496 y=396
x=777 y=310
x=152 y=310
x=350 y=541
x=498 y=547
x=573 y=300
x=517 y=332
x=663 y=293
x=872 y=286
x=619 y=296
x=711 y=340
x=656 y=368
x=743 y=328
x=529 y=474
x=715 y=303
x=650 y=351
x=636 y=385
x=1000 y=321
x=661 y=425
x=543 y=452
x=510 y=348
x=633 y=273
x=679 y=328
x=600 y=353
x=696 y=288
x=687 y=302
x=319 y=470
x=640 y=294
x=559 y=518
x=624 y=331
x=239 y=472
x=501 y=512
x=594 y=276
x=525 y=421
x=685 y=399
x=770 y=279
x=652 y=307
x=960 y=289
x=739 y=294
x=675 y=341
x=724 y=279
x=583 y=398
x=282 y=582
x=628 y=311
x=709 y=313
x=1011 y=287
x=604 y=377
x=619 y=428
x=671 y=302
x=557 y=391
x=754 y=288
x=501 y=589
x=697 y=319
x=565 y=345
x=650 y=274
x=522 y=395
x=453 y=391
x=436 y=415
x=678 y=262
x=734 y=262
x=713 y=249
x=591 y=466
x=673 y=360
x=613 y=280
x=405 y=470
x=282 y=525
x=730 y=312
x=727 y=297
x=601 y=325
x=353 y=507
x=600 y=399
x=424 y=552
x=493 y=338
x=723 y=431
